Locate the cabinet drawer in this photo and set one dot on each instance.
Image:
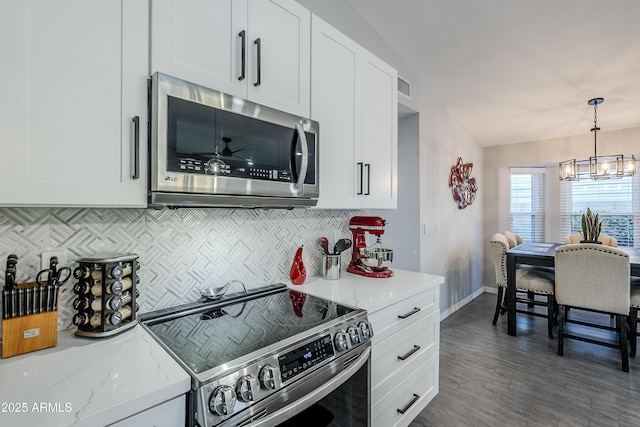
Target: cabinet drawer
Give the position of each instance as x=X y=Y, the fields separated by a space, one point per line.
x=167 y=414
x=400 y=355
x=390 y=320
x=410 y=396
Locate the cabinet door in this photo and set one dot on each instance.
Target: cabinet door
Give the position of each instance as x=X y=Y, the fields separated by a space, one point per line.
x=74 y=75
x=281 y=76
x=379 y=132
x=336 y=105
x=201 y=41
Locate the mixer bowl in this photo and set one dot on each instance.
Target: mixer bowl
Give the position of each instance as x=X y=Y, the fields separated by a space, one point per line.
x=376 y=257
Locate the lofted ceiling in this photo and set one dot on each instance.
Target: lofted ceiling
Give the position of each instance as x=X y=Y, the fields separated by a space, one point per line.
x=520 y=70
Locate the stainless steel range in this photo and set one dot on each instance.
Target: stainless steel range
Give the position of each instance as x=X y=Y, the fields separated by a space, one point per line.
x=270 y=357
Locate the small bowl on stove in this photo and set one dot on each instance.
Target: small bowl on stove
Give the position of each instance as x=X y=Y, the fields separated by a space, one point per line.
x=214 y=293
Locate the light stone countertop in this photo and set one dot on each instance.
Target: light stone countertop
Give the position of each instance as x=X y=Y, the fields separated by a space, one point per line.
x=95 y=382
x=88 y=382
x=371 y=294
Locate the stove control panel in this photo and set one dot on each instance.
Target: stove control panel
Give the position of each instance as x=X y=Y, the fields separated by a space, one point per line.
x=225 y=397
x=305 y=357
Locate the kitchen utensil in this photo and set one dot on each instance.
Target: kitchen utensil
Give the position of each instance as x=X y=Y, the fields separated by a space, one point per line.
x=324 y=245
x=53 y=275
x=341 y=246
x=10 y=273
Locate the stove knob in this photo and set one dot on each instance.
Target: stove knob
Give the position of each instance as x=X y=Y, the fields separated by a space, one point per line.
x=222 y=400
x=246 y=388
x=268 y=377
x=365 y=330
x=341 y=341
x=354 y=335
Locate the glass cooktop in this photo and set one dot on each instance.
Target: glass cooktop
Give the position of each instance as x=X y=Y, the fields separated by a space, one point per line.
x=219 y=333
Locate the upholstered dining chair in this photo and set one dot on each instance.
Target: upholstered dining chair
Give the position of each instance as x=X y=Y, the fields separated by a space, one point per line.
x=513 y=239
x=603 y=238
x=539 y=282
x=596 y=278
x=633 y=314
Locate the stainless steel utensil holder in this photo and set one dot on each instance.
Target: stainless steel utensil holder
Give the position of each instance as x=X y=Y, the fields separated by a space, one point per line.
x=106 y=290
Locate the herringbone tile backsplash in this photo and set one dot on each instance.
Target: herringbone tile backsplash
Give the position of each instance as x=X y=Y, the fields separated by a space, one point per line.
x=180 y=251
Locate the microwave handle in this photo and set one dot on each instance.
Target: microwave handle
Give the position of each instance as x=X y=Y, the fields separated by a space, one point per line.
x=302 y=137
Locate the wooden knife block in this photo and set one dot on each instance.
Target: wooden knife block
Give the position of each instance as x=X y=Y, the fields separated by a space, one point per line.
x=29 y=333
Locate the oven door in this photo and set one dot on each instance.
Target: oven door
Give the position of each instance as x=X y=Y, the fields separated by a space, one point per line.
x=335 y=395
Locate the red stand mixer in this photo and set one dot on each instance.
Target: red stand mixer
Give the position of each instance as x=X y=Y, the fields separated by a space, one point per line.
x=373 y=261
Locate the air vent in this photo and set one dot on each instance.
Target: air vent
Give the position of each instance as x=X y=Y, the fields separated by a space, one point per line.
x=404 y=87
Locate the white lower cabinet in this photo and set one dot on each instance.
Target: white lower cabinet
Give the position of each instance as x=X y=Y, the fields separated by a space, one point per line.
x=404 y=359
x=403 y=404
x=168 y=414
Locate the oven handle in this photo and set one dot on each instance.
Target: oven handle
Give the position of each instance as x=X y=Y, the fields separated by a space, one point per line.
x=304 y=162
x=299 y=405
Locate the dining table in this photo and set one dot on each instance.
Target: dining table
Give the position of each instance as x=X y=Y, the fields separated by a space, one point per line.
x=543 y=254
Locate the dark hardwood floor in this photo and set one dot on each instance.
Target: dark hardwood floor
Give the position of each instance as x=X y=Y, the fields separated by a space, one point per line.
x=488 y=378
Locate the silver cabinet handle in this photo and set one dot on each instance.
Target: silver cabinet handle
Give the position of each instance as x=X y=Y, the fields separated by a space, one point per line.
x=136 y=149
x=410 y=404
x=243 y=53
x=411 y=313
x=413 y=350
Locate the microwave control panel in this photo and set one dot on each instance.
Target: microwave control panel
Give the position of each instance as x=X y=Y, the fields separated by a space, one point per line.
x=228 y=168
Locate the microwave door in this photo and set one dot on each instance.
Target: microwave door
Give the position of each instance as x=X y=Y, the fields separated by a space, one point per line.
x=298 y=176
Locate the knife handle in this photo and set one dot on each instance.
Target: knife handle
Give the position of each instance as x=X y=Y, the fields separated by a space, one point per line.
x=21 y=308
x=5 y=304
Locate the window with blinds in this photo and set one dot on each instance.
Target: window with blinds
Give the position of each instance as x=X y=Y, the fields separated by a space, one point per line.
x=614 y=200
x=526 y=204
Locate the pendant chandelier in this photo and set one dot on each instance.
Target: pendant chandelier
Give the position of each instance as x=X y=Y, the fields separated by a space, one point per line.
x=597 y=167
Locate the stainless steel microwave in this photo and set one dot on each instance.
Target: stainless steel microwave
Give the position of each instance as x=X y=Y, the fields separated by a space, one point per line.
x=211 y=149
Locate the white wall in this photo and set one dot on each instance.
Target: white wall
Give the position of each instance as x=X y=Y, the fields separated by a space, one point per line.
x=498 y=160
x=453 y=245
x=403 y=228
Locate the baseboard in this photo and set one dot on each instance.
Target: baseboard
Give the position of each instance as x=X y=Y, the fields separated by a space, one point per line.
x=463 y=302
x=491 y=290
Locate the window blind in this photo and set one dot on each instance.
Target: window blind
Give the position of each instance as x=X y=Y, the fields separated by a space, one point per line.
x=614 y=200
x=526 y=204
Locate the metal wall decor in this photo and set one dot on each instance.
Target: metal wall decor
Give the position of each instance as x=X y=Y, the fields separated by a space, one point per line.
x=463 y=186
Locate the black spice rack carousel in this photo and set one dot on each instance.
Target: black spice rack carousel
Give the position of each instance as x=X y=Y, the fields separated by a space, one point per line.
x=106 y=294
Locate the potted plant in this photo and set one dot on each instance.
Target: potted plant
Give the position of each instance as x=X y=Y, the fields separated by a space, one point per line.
x=591 y=227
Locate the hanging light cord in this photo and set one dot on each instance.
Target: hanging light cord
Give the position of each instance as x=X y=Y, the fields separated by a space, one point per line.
x=595 y=129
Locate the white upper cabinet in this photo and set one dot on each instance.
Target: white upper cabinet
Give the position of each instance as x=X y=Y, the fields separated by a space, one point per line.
x=74 y=76
x=354 y=99
x=336 y=103
x=379 y=132
x=258 y=49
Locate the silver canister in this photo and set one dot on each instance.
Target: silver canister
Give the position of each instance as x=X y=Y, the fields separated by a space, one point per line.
x=331 y=267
